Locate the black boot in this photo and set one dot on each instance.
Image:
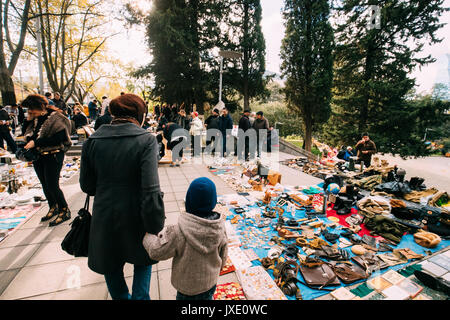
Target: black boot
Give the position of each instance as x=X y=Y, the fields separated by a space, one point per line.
x=433 y=282
x=64 y=215
x=51 y=213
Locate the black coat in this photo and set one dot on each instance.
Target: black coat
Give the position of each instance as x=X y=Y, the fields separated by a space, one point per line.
x=104 y=119
x=80 y=120
x=225 y=123
x=244 y=123
x=119 y=166
x=4 y=116
x=212 y=122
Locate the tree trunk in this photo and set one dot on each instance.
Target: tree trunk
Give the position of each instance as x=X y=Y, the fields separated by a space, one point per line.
x=364 y=112
x=308 y=133
x=307 y=109
x=7 y=88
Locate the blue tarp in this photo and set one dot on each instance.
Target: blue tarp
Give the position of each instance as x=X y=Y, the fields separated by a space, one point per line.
x=306 y=292
x=10 y=223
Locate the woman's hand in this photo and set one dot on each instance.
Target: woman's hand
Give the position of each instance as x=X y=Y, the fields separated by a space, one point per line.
x=29 y=145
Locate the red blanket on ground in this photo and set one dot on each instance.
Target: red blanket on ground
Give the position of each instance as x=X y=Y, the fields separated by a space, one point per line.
x=333 y=213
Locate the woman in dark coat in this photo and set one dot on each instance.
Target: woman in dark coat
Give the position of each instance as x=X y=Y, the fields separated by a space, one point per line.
x=119 y=166
x=48 y=131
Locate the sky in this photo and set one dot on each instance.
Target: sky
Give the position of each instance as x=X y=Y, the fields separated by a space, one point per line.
x=131 y=45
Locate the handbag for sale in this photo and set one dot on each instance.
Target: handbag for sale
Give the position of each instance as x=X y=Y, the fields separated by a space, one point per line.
x=349 y=273
x=319 y=276
x=76 y=242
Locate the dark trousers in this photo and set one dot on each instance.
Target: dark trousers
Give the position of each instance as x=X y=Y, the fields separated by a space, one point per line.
x=9 y=141
x=171 y=145
x=261 y=138
x=225 y=152
x=118 y=288
x=92 y=115
x=244 y=154
x=366 y=162
x=208 y=295
x=48 y=168
x=213 y=141
x=196 y=143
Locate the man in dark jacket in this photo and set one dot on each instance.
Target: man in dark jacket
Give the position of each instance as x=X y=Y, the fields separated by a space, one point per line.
x=128 y=199
x=182 y=120
x=105 y=119
x=365 y=149
x=5 y=133
x=225 y=124
x=262 y=124
x=93 y=109
x=212 y=122
x=244 y=125
x=59 y=102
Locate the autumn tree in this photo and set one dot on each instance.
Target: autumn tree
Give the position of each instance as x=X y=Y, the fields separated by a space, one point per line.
x=14 y=19
x=73 y=33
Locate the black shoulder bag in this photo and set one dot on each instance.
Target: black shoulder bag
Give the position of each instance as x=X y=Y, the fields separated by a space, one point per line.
x=76 y=242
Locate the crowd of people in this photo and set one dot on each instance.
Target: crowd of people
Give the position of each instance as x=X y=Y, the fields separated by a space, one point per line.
x=219 y=127
x=119 y=167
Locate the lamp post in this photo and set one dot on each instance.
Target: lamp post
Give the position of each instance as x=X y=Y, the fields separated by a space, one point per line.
x=39 y=51
x=224 y=54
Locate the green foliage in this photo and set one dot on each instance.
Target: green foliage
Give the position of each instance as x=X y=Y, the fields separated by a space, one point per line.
x=183 y=38
x=308 y=61
x=372 y=67
x=181 y=35
x=244 y=34
x=401 y=131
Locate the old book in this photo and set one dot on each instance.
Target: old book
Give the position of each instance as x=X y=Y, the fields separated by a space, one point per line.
x=395 y=293
x=393 y=277
x=433 y=268
x=378 y=284
x=342 y=294
x=411 y=287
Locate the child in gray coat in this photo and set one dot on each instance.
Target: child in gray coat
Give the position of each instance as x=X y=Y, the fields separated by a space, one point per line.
x=197 y=244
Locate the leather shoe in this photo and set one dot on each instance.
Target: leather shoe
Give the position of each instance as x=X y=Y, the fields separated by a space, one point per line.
x=433 y=282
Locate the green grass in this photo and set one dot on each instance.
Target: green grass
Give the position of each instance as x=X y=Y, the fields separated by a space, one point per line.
x=299 y=143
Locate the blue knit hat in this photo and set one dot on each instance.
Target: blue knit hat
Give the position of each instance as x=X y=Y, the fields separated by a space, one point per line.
x=201 y=197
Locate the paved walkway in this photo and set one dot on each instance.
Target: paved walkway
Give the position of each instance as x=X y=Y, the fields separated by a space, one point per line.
x=33 y=265
x=435 y=170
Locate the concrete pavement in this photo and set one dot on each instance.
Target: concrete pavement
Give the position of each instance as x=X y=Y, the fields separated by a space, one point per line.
x=435 y=170
x=33 y=265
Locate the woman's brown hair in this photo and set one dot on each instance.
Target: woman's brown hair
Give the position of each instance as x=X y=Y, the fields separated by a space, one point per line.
x=35 y=102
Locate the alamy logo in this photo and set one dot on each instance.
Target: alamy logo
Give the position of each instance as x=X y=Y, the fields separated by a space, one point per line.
x=74 y=279
x=374 y=13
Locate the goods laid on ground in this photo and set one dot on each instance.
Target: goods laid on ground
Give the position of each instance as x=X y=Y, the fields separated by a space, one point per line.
x=21 y=194
x=286 y=243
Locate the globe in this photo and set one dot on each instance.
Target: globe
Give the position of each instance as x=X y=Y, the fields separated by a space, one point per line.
x=333 y=188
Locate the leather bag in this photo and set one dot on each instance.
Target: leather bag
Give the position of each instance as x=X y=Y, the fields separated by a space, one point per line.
x=319 y=277
x=76 y=242
x=349 y=273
